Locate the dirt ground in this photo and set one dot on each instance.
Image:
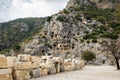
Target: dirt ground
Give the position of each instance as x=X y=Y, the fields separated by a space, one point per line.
x=87 y=73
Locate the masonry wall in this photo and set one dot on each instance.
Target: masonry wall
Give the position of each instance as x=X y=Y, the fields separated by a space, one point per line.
x=25 y=67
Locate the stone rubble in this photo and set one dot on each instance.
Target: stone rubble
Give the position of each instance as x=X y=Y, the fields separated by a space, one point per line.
x=25 y=66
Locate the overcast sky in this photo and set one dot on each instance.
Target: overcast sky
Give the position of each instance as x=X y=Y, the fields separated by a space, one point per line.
x=12 y=9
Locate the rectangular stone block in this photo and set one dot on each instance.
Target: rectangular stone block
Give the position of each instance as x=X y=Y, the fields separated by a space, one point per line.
x=43 y=72
x=22 y=65
x=11 y=61
x=35 y=73
x=68 y=68
x=5 y=71
x=6 y=77
x=3 y=61
x=21 y=75
x=35 y=59
x=23 y=58
x=82 y=63
x=35 y=62
x=35 y=65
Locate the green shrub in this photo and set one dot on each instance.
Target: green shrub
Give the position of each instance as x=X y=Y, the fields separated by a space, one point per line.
x=110 y=35
x=49 y=18
x=81 y=40
x=16 y=47
x=88 y=41
x=94 y=40
x=89 y=36
x=88 y=56
x=61 y=19
x=66 y=11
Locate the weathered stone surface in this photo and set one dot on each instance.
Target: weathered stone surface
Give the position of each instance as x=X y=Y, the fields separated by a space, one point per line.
x=5 y=71
x=3 y=61
x=23 y=58
x=35 y=73
x=11 y=61
x=43 y=65
x=58 y=59
x=35 y=65
x=22 y=65
x=35 y=62
x=68 y=65
x=82 y=63
x=69 y=68
x=35 y=59
x=62 y=68
x=21 y=75
x=51 y=67
x=47 y=57
x=43 y=72
x=57 y=67
x=6 y=77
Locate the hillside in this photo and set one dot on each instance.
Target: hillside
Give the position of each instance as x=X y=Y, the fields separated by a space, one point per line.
x=16 y=31
x=82 y=25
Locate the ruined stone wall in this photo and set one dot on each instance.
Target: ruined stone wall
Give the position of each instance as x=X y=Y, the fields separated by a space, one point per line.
x=25 y=67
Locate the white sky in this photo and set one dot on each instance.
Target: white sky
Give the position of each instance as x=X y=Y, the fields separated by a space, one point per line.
x=12 y=9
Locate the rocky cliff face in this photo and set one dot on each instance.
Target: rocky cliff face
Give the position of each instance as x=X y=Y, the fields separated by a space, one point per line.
x=80 y=26
x=99 y=3
x=63 y=34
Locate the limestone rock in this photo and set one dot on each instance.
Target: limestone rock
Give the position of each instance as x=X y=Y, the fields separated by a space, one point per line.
x=22 y=65
x=5 y=71
x=6 y=77
x=23 y=57
x=21 y=75
x=68 y=65
x=11 y=61
x=58 y=59
x=69 y=68
x=35 y=73
x=43 y=72
x=35 y=62
x=3 y=61
x=57 y=67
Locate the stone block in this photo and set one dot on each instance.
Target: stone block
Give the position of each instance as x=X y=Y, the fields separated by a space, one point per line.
x=6 y=77
x=82 y=63
x=22 y=65
x=35 y=65
x=35 y=62
x=43 y=72
x=35 y=73
x=22 y=75
x=35 y=59
x=24 y=58
x=11 y=61
x=5 y=71
x=3 y=61
x=58 y=59
x=68 y=68
x=43 y=65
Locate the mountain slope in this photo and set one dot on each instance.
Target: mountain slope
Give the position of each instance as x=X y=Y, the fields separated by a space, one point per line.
x=14 y=32
x=80 y=26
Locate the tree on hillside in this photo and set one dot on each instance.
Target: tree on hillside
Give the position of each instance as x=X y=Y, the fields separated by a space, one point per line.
x=88 y=56
x=113 y=47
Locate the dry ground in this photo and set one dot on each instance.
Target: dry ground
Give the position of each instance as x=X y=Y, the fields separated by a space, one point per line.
x=87 y=73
